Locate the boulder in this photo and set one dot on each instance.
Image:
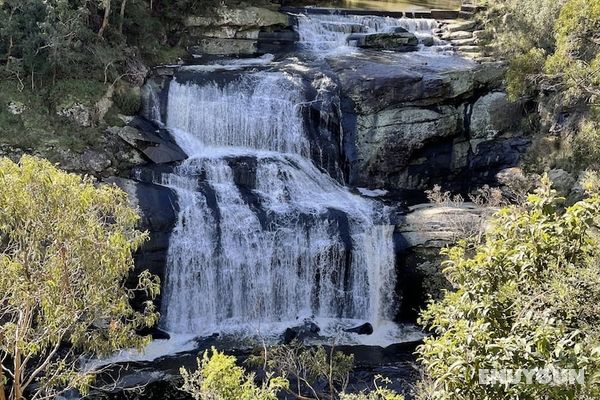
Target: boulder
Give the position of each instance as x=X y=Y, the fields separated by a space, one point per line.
x=238 y=17
x=364 y=329
x=217 y=46
x=395 y=41
x=76 y=112
x=301 y=332
x=89 y=161
x=562 y=181
x=152 y=145
x=434 y=226
x=387 y=140
x=461 y=26
x=234 y=31
x=402 y=79
x=457 y=35
x=407 y=119
x=493 y=114
x=419 y=236
x=16 y=108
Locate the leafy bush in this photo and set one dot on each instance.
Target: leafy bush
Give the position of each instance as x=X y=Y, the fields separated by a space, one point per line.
x=528 y=297
x=308 y=365
x=380 y=393
x=577 y=57
x=219 y=378
x=587 y=146
x=128 y=101
x=65 y=250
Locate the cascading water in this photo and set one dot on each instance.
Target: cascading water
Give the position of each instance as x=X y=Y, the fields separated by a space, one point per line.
x=265 y=237
x=320 y=33
x=290 y=242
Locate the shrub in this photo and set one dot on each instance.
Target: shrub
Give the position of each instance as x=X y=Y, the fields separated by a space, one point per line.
x=527 y=298
x=128 y=100
x=219 y=378
x=65 y=250
x=587 y=146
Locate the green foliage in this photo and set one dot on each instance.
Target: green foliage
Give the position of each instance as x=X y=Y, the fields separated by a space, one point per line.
x=522 y=72
x=128 y=100
x=577 y=56
x=550 y=40
x=67 y=92
x=66 y=249
x=219 y=378
x=586 y=150
x=528 y=297
x=38 y=126
x=308 y=365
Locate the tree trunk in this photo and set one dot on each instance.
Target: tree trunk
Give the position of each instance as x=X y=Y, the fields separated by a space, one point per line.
x=105 y=18
x=122 y=15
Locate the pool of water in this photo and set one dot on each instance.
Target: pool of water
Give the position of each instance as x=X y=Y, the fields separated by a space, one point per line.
x=382 y=5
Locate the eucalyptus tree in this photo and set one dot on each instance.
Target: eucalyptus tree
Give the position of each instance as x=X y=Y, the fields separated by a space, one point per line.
x=65 y=252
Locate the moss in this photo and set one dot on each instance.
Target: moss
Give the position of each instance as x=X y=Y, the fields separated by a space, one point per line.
x=112 y=117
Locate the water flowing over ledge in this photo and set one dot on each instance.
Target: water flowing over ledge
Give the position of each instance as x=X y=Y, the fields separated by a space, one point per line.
x=291 y=243
x=329 y=33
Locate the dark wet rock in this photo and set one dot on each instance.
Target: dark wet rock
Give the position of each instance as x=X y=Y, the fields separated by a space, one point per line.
x=157 y=146
x=364 y=329
x=159 y=210
x=276 y=40
x=307 y=330
x=156 y=333
x=401 y=41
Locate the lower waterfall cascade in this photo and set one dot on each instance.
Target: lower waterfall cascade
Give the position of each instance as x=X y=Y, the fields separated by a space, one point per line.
x=266 y=237
x=298 y=244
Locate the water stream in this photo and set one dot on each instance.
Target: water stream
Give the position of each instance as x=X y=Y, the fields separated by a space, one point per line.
x=265 y=236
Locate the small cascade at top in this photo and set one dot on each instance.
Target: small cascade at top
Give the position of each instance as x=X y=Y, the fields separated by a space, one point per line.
x=327 y=32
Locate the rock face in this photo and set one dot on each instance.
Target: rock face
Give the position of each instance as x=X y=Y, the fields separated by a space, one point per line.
x=412 y=120
x=159 y=209
x=155 y=144
x=493 y=114
x=238 y=31
x=420 y=235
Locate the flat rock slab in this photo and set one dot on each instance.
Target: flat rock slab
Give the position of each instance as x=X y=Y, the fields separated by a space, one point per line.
x=153 y=143
x=375 y=80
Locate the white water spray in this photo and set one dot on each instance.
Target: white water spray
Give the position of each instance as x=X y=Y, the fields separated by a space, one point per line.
x=289 y=243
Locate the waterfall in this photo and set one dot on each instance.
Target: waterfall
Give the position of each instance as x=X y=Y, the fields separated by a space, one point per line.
x=328 y=32
x=257 y=111
x=264 y=236
x=151 y=103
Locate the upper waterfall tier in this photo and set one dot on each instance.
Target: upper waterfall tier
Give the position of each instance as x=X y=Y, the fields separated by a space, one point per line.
x=320 y=33
x=258 y=111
